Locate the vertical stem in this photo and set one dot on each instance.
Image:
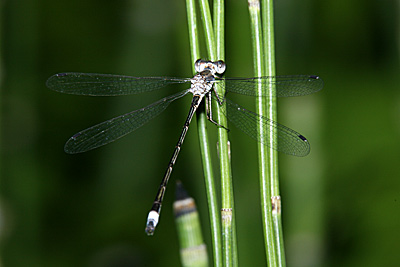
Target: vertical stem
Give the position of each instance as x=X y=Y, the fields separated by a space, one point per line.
x=193 y=251
x=216 y=52
x=204 y=144
x=208 y=29
x=271 y=106
x=192 y=27
x=269 y=57
x=219 y=27
x=228 y=204
x=255 y=16
x=210 y=187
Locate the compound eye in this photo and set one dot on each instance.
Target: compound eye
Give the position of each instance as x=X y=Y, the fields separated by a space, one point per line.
x=199 y=65
x=221 y=66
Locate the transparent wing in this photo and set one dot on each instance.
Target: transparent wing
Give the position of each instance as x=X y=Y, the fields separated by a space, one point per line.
x=111 y=130
x=295 y=85
x=287 y=140
x=107 y=84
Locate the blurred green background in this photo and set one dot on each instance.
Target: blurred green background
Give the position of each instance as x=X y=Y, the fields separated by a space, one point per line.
x=341 y=204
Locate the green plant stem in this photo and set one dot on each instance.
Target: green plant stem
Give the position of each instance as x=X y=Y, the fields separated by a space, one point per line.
x=258 y=55
x=208 y=29
x=226 y=172
x=193 y=35
x=219 y=28
x=271 y=105
x=204 y=145
x=193 y=251
x=210 y=187
x=269 y=70
x=228 y=232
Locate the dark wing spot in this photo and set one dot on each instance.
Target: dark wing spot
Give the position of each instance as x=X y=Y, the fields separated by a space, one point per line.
x=303 y=138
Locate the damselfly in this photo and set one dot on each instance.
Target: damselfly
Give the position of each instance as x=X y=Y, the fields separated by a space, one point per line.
x=207 y=80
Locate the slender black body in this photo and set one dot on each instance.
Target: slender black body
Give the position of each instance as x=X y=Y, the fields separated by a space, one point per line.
x=150 y=227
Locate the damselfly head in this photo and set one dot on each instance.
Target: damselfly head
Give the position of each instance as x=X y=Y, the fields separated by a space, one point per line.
x=213 y=66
